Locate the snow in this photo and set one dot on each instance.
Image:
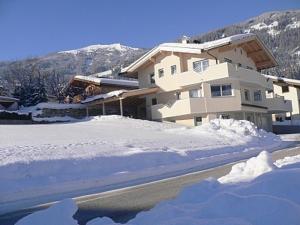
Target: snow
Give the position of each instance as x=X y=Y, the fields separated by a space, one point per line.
x=121 y=82
x=38 y=160
x=93 y=48
x=271 y=198
x=287 y=161
x=294 y=25
x=271 y=28
x=247 y=171
x=59 y=213
x=104 y=96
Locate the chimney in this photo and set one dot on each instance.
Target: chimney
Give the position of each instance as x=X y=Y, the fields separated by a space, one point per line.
x=185 y=39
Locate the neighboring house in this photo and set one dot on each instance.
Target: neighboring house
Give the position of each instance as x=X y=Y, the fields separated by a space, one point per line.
x=82 y=87
x=200 y=82
x=290 y=90
x=8 y=103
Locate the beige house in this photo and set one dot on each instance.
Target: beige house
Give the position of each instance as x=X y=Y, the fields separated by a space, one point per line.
x=288 y=89
x=200 y=82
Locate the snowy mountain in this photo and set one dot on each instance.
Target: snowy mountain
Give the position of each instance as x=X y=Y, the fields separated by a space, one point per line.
x=280 y=31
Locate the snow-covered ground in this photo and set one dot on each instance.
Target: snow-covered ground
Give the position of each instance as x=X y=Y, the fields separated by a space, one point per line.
x=269 y=196
x=39 y=160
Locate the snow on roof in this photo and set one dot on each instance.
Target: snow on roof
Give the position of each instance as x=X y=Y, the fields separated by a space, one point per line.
x=104 y=73
x=102 y=80
x=8 y=99
x=104 y=96
x=191 y=48
x=283 y=79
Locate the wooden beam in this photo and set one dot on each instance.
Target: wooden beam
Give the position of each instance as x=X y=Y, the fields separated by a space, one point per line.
x=251 y=54
x=226 y=48
x=263 y=63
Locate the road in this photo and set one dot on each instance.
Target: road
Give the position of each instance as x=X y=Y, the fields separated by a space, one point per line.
x=124 y=204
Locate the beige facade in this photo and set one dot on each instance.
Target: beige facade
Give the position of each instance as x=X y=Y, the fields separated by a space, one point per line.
x=289 y=89
x=196 y=87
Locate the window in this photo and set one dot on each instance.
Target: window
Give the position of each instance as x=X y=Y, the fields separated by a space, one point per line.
x=160 y=72
x=173 y=70
x=154 y=101
x=285 y=89
x=152 y=80
x=225 y=116
x=257 y=95
x=221 y=90
x=178 y=95
x=195 y=93
x=198 y=121
x=247 y=95
x=226 y=90
x=200 y=66
x=227 y=60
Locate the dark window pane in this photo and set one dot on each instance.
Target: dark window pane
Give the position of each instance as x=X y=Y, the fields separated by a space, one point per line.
x=215 y=90
x=226 y=90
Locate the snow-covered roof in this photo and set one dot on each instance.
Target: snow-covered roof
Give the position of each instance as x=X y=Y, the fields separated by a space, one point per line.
x=102 y=80
x=8 y=99
x=283 y=80
x=197 y=48
x=103 y=96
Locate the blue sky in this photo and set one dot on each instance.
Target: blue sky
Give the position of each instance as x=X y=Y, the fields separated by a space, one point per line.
x=36 y=27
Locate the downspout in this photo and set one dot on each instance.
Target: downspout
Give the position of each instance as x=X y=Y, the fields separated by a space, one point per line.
x=212 y=56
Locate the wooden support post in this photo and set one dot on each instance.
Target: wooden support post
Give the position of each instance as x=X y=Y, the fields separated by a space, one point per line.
x=87 y=111
x=103 y=109
x=121 y=106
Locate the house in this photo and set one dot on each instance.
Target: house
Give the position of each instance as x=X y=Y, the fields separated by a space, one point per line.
x=200 y=82
x=289 y=89
x=8 y=103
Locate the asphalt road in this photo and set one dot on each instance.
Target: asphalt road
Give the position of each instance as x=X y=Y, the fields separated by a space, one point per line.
x=123 y=204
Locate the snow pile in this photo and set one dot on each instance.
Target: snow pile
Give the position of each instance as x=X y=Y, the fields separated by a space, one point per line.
x=249 y=170
x=270 y=199
x=287 y=161
x=38 y=160
x=59 y=213
x=231 y=127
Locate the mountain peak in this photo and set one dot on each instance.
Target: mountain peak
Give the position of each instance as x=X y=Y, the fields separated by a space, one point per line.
x=94 y=48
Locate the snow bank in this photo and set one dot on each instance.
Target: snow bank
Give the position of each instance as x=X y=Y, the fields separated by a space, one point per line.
x=39 y=160
x=287 y=161
x=249 y=170
x=269 y=199
x=59 y=213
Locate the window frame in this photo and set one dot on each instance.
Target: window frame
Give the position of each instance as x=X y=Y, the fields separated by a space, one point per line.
x=202 y=68
x=198 y=123
x=154 y=101
x=152 y=78
x=197 y=90
x=173 y=72
x=255 y=96
x=248 y=94
x=221 y=90
x=285 y=90
x=161 y=72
